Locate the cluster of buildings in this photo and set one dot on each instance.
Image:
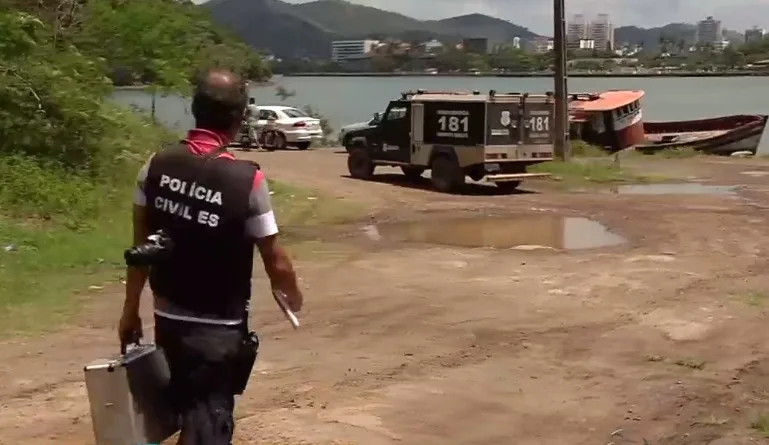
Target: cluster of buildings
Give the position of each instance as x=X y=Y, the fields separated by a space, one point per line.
x=710 y=32
x=345 y=50
x=582 y=34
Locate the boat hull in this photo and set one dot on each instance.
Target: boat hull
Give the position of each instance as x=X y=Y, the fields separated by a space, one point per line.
x=720 y=136
x=632 y=134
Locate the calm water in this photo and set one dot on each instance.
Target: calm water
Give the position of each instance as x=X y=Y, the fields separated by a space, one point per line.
x=348 y=100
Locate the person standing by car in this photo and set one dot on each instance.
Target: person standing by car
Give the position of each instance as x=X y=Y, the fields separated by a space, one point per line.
x=213 y=208
x=252 y=120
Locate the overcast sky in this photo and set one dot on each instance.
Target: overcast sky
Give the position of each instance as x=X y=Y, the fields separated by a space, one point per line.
x=537 y=14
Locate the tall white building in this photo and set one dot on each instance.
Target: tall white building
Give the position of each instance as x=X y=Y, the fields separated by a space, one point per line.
x=517 y=42
x=710 y=32
x=576 y=30
x=755 y=34
x=601 y=31
x=346 y=49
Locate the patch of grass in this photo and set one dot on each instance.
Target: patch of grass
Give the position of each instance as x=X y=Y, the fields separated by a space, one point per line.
x=761 y=424
x=676 y=153
x=582 y=149
x=686 y=362
x=713 y=420
x=585 y=172
x=42 y=266
x=756 y=299
x=46 y=263
x=301 y=207
x=691 y=363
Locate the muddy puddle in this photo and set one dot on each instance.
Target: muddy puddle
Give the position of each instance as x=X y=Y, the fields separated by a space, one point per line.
x=523 y=233
x=687 y=188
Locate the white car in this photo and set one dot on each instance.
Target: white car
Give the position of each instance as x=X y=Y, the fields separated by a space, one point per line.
x=295 y=127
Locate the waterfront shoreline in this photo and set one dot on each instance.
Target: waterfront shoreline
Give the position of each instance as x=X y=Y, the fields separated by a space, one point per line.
x=540 y=74
x=141 y=87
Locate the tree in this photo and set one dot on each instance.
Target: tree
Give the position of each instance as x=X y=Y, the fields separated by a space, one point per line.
x=50 y=98
x=732 y=58
x=681 y=46
x=55 y=56
x=162 y=43
x=663 y=40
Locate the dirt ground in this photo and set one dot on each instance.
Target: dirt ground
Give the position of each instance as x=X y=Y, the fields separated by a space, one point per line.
x=662 y=339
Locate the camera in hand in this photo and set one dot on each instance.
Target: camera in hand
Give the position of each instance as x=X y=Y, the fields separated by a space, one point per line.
x=156 y=249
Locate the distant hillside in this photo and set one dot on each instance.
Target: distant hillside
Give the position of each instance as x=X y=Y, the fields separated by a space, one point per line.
x=273 y=25
x=353 y=20
x=673 y=32
x=306 y=30
x=479 y=25
x=650 y=37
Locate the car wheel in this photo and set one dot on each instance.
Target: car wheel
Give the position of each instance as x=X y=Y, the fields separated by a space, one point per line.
x=446 y=175
x=508 y=186
x=412 y=173
x=303 y=145
x=359 y=164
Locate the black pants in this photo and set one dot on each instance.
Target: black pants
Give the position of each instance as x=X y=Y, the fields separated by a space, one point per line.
x=201 y=358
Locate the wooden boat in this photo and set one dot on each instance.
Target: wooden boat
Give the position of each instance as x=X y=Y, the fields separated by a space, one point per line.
x=612 y=119
x=720 y=136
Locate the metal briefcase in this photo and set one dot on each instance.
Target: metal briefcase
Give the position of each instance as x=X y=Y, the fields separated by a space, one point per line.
x=129 y=398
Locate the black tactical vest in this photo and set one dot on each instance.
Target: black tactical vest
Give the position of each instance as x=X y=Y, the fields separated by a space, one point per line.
x=202 y=203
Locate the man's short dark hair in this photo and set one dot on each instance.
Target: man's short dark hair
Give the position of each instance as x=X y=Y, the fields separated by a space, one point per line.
x=219 y=100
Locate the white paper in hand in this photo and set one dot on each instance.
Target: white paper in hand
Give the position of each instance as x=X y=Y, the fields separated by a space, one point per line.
x=280 y=298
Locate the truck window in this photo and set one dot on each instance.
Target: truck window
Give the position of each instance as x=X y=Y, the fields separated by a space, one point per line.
x=396 y=113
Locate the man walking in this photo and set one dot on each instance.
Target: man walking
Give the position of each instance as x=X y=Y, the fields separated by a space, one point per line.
x=252 y=120
x=213 y=208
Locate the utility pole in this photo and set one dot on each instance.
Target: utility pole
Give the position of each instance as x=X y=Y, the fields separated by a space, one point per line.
x=561 y=106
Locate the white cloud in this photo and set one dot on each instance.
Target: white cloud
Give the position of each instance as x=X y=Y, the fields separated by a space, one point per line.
x=537 y=14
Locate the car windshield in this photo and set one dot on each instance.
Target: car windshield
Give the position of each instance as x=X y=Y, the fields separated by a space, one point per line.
x=293 y=112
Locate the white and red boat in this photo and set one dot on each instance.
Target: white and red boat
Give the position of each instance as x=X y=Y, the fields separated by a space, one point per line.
x=612 y=119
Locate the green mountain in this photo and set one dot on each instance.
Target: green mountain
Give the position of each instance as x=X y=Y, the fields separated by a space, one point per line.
x=351 y=20
x=307 y=29
x=272 y=25
x=479 y=25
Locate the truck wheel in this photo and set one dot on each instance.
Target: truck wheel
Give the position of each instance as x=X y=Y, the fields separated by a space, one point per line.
x=412 y=173
x=446 y=175
x=359 y=164
x=508 y=186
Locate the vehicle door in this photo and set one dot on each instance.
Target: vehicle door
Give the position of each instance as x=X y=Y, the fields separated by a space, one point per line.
x=538 y=125
x=395 y=132
x=266 y=117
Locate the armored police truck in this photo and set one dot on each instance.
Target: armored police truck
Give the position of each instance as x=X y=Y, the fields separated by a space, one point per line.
x=456 y=134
